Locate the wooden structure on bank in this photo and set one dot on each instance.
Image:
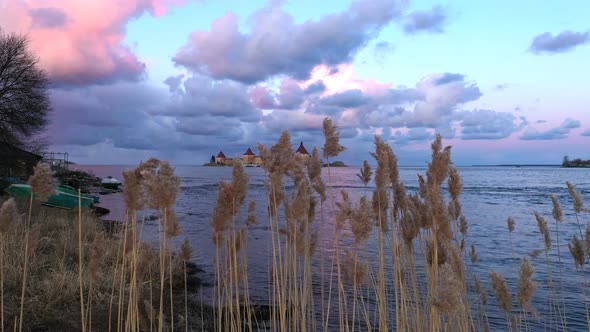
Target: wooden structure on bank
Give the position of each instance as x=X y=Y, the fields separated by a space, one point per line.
x=16 y=162
x=56 y=160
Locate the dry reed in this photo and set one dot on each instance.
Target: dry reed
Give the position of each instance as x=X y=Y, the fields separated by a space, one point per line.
x=421 y=285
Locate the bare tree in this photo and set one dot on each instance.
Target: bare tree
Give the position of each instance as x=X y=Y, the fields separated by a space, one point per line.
x=24 y=99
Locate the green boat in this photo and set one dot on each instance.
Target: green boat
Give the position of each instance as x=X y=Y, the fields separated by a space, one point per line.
x=65 y=197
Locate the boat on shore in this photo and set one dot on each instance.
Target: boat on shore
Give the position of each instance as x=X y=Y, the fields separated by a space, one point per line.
x=110 y=183
x=65 y=197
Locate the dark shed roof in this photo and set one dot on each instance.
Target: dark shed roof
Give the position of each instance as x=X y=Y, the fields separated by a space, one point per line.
x=302 y=149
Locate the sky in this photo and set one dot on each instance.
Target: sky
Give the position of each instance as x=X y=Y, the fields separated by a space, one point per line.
x=502 y=81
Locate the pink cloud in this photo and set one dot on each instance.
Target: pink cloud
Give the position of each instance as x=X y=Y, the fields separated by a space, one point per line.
x=261 y=97
x=86 y=44
x=342 y=78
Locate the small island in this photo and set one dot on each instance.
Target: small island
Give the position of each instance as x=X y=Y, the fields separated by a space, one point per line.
x=575 y=162
x=336 y=164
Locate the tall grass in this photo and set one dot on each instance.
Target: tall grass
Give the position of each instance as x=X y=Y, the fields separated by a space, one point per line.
x=65 y=271
x=417 y=280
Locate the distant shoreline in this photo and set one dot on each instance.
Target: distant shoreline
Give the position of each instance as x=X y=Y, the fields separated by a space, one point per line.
x=518 y=165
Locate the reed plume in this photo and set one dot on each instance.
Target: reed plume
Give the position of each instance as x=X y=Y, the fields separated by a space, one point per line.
x=332 y=147
x=392 y=166
x=239 y=184
x=360 y=221
x=314 y=166
x=441 y=250
x=344 y=211
x=42 y=181
x=161 y=184
x=577 y=250
x=455 y=183
x=578 y=204
x=277 y=163
x=438 y=170
x=410 y=228
x=365 y=173
x=544 y=229
x=576 y=197
x=132 y=190
x=8 y=216
x=382 y=180
x=526 y=286
x=557 y=212
x=448 y=299
x=440 y=165
x=501 y=291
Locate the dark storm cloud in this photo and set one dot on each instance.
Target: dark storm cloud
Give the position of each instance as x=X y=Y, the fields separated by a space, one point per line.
x=554 y=133
x=432 y=20
x=47 y=18
x=565 y=41
x=75 y=134
x=118 y=114
x=275 y=44
x=200 y=95
x=115 y=105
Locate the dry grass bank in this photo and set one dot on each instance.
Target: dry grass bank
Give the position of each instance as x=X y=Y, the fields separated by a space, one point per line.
x=66 y=271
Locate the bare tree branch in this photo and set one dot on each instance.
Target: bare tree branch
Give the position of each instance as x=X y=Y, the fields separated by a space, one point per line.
x=24 y=99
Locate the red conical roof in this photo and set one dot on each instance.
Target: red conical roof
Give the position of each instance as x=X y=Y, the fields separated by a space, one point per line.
x=302 y=149
x=221 y=155
x=249 y=153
